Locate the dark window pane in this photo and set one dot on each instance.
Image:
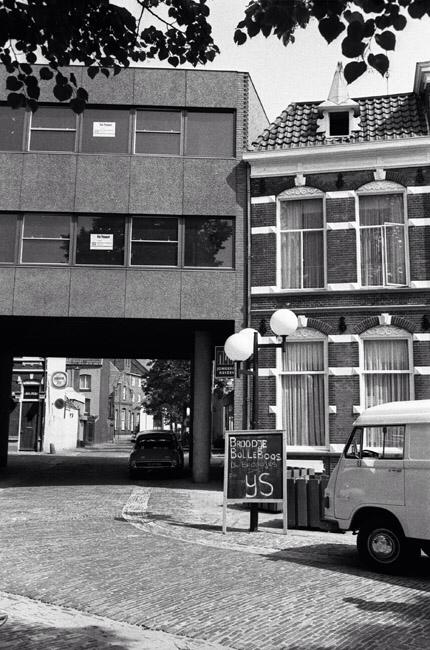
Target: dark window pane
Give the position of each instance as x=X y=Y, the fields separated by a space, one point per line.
x=46 y=225
x=210 y=134
x=339 y=123
x=105 y=131
x=52 y=141
x=154 y=254
x=158 y=143
x=45 y=250
x=11 y=128
x=159 y=229
x=208 y=242
x=7 y=237
x=158 y=121
x=100 y=240
x=54 y=117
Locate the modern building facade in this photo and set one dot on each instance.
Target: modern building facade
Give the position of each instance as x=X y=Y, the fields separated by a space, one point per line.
x=123 y=230
x=340 y=218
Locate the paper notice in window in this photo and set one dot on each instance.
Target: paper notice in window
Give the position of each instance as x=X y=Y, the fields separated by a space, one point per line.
x=104 y=129
x=101 y=242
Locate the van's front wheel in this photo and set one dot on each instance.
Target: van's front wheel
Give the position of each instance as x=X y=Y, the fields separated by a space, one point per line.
x=383 y=547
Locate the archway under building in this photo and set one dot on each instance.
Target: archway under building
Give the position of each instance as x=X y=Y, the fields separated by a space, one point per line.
x=119 y=338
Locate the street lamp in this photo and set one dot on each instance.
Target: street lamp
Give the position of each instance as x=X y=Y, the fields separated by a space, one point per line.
x=246 y=344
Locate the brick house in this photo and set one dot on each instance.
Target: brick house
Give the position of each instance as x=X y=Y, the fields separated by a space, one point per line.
x=340 y=234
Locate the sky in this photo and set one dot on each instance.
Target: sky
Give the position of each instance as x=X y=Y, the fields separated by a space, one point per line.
x=303 y=71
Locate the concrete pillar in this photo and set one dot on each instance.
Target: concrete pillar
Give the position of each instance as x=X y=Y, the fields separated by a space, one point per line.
x=202 y=370
x=6 y=365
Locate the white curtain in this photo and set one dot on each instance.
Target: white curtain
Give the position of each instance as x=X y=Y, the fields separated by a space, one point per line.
x=386 y=355
x=302 y=254
x=303 y=394
x=382 y=237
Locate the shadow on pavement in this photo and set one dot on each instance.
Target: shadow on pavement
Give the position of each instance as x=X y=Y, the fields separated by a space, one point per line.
x=343 y=558
x=32 y=470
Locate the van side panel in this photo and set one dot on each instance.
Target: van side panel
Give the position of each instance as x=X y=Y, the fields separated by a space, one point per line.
x=417 y=481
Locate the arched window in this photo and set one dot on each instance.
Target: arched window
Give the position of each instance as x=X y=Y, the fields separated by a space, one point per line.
x=381 y=207
x=304 y=388
x=301 y=238
x=386 y=364
x=84 y=382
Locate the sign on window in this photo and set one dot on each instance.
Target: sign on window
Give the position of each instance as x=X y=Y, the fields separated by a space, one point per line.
x=104 y=129
x=99 y=241
x=224 y=367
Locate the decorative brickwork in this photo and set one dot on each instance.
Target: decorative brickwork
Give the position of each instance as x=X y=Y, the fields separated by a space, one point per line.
x=366 y=324
x=349 y=181
x=320 y=325
x=341 y=256
x=269 y=186
x=409 y=176
x=403 y=323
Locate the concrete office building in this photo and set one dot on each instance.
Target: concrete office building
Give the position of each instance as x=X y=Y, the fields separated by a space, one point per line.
x=122 y=230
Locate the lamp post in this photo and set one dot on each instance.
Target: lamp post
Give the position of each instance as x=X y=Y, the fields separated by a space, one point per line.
x=246 y=344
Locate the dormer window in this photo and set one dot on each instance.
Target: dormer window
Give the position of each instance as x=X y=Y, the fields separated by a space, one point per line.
x=339 y=123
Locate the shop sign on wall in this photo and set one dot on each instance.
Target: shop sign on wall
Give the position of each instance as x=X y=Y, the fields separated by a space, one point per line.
x=254 y=469
x=59 y=379
x=103 y=129
x=99 y=241
x=224 y=367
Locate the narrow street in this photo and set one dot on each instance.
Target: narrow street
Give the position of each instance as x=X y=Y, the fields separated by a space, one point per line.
x=75 y=573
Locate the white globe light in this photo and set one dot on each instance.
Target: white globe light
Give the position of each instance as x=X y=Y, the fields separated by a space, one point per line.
x=283 y=322
x=249 y=332
x=237 y=347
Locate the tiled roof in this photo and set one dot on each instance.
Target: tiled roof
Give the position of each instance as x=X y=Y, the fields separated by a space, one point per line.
x=387 y=117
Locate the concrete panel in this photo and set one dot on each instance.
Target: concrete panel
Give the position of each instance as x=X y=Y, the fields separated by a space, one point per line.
x=117 y=89
x=159 y=87
x=48 y=182
x=7 y=279
x=209 y=187
x=102 y=183
x=153 y=294
x=214 y=89
x=156 y=185
x=41 y=291
x=97 y=292
x=11 y=165
x=209 y=294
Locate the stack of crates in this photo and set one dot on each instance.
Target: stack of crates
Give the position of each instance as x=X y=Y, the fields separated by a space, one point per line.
x=305 y=499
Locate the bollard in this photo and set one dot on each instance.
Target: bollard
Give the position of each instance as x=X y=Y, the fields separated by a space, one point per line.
x=51 y=448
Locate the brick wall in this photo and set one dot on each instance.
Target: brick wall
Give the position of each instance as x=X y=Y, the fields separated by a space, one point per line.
x=419 y=252
x=341 y=256
x=263 y=214
x=340 y=210
x=263 y=260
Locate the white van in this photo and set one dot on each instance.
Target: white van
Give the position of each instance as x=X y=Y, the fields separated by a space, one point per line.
x=381 y=484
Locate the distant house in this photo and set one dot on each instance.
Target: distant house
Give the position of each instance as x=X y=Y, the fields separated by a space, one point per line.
x=340 y=234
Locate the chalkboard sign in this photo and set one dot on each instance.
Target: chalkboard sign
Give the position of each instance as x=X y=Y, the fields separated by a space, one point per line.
x=254 y=467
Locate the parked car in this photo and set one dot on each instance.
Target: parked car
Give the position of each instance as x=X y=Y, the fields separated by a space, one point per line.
x=156 y=450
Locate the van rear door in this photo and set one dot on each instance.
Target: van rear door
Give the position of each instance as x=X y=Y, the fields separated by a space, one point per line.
x=417 y=481
x=371 y=470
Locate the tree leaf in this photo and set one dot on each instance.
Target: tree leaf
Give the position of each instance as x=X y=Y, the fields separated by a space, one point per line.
x=12 y=83
x=399 y=23
x=379 y=62
x=63 y=92
x=351 y=48
x=92 y=71
x=16 y=100
x=386 y=40
x=45 y=73
x=418 y=8
x=77 y=104
x=330 y=28
x=353 y=70
x=239 y=37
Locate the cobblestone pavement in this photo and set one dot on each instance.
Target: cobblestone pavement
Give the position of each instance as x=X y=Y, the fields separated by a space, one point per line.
x=87 y=557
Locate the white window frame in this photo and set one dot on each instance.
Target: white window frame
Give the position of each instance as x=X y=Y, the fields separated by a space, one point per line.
x=303 y=335
x=83 y=382
x=384 y=333
x=373 y=189
x=300 y=194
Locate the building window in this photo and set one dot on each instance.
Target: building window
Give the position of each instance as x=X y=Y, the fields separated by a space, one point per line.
x=7 y=237
x=105 y=131
x=382 y=240
x=339 y=123
x=386 y=371
x=11 y=128
x=46 y=239
x=100 y=240
x=303 y=389
x=122 y=419
x=124 y=392
x=84 y=382
x=53 y=128
x=115 y=423
x=302 y=244
x=87 y=410
x=154 y=241
x=158 y=132
x=208 y=242
x=189 y=133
